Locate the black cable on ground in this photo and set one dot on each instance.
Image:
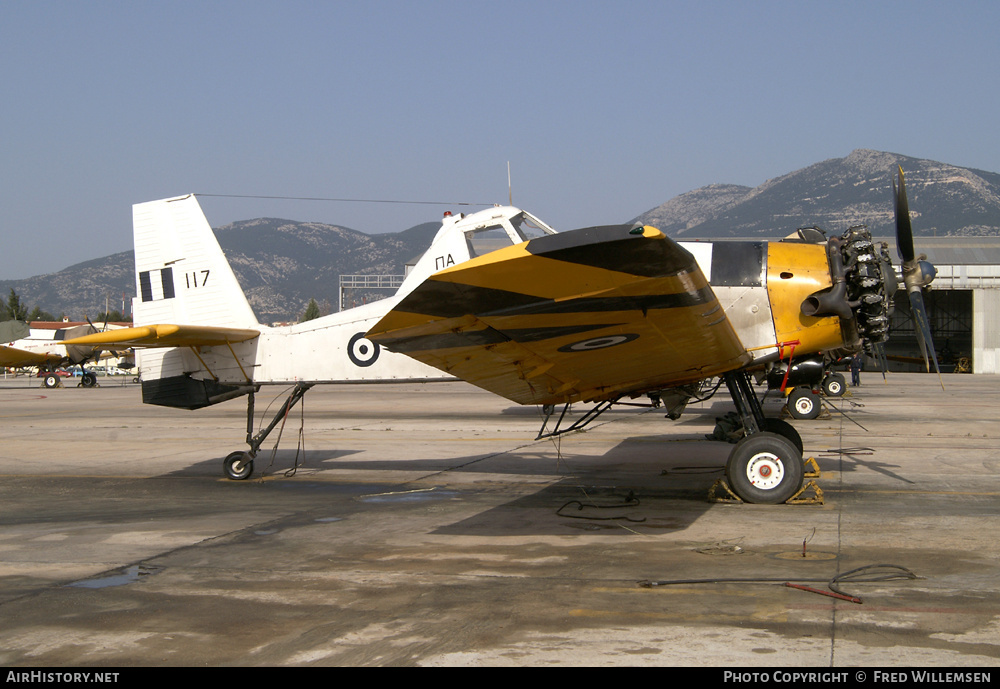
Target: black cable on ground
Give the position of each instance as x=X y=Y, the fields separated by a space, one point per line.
x=630 y=501
x=866 y=574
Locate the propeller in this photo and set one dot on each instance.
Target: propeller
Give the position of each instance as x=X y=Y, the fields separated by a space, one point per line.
x=878 y=351
x=917 y=274
x=81 y=354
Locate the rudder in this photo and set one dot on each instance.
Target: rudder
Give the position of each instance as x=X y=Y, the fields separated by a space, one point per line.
x=182 y=276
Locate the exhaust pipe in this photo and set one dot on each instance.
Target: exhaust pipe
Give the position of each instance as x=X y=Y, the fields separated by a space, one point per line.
x=831 y=301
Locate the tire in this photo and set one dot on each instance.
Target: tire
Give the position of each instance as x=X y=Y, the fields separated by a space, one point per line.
x=786 y=431
x=88 y=380
x=803 y=403
x=229 y=466
x=50 y=380
x=834 y=385
x=765 y=468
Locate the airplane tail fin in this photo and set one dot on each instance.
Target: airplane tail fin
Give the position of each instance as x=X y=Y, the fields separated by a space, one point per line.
x=183 y=279
x=182 y=276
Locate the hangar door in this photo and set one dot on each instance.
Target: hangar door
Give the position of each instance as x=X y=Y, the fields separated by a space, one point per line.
x=950 y=315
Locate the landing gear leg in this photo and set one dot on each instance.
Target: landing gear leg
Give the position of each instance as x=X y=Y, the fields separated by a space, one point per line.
x=239 y=465
x=747 y=404
x=766 y=465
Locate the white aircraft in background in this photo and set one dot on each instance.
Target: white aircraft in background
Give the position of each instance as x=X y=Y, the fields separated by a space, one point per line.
x=503 y=301
x=43 y=345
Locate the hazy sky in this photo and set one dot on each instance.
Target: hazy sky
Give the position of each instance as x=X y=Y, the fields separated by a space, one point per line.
x=604 y=109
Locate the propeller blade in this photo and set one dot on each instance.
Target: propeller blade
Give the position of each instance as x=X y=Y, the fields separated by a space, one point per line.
x=904 y=230
x=923 y=330
x=916 y=275
x=878 y=352
x=82 y=354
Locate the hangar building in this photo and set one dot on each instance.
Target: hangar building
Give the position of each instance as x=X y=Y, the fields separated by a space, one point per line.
x=963 y=305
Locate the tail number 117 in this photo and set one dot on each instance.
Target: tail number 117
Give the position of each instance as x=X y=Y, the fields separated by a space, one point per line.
x=196 y=278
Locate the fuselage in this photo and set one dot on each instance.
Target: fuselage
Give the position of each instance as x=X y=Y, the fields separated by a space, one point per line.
x=185 y=278
x=761 y=285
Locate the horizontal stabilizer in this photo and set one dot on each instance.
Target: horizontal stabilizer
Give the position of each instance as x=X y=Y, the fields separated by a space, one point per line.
x=166 y=335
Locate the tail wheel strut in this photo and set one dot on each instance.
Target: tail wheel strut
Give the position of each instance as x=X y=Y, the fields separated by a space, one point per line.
x=239 y=465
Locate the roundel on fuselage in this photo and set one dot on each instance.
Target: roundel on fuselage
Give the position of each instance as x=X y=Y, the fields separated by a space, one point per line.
x=362 y=351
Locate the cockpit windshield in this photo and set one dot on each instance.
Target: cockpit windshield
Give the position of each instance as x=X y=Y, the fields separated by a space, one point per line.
x=488 y=239
x=529 y=227
x=506 y=232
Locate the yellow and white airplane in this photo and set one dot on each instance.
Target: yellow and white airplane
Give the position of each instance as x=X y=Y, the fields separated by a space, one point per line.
x=503 y=301
x=45 y=347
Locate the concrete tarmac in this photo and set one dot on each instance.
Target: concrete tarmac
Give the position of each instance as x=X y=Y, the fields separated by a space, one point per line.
x=424 y=526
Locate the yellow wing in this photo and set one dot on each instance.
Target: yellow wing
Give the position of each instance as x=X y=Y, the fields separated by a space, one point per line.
x=15 y=358
x=164 y=335
x=585 y=315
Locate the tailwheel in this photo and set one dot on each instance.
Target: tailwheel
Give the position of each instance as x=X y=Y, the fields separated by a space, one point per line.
x=803 y=403
x=238 y=465
x=765 y=468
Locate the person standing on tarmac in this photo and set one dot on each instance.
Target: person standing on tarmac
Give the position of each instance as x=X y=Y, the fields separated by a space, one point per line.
x=856 y=366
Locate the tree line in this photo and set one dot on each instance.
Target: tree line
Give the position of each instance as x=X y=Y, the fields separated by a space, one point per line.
x=12 y=309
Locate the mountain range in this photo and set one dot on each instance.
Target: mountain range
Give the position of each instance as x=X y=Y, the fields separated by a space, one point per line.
x=945 y=200
x=282 y=264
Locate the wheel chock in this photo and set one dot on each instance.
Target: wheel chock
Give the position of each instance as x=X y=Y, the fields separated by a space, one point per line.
x=721 y=483
x=815 y=499
x=728 y=496
x=811 y=468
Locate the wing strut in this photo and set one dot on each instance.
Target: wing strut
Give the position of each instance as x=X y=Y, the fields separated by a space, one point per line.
x=577 y=425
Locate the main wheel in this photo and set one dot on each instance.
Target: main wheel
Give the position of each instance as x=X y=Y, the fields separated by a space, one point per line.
x=88 y=379
x=50 y=380
x=803 y=403
x=834 y=385
x=229 y=465
x=765 y=468
x=785 y=430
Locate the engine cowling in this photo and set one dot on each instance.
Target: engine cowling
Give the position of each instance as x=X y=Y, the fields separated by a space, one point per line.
x=863 y=285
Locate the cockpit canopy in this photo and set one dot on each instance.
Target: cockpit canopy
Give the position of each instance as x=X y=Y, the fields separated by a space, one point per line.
x=504 y=230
